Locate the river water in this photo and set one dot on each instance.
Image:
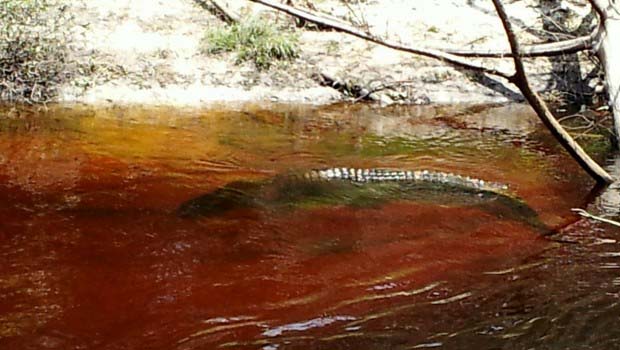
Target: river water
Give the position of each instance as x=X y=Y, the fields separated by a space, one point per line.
x=95 y=255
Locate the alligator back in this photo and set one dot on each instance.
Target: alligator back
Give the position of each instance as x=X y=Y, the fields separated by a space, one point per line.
x=409 y=176
x=361 y=188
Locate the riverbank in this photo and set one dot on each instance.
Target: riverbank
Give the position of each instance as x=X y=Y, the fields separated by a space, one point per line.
x=149 y=52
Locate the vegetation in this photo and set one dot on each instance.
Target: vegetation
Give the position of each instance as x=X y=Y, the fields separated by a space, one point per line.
x=253 y=40
x=33 y=49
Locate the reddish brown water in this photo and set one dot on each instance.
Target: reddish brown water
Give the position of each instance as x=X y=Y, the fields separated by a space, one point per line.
x=94 y=255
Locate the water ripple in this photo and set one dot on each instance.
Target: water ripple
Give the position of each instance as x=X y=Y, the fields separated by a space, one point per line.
x=306 y=325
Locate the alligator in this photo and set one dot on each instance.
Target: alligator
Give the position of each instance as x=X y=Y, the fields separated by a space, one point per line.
x=386 y=175
x=360 y=188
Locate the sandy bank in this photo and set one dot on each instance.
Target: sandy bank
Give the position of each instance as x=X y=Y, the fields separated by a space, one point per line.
x=148 y=52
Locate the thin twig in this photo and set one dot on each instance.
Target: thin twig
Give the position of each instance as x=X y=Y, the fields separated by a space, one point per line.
x=361 y=20
x=589 y=123
x=587 y=215
x=385 y=86
x=219 y=10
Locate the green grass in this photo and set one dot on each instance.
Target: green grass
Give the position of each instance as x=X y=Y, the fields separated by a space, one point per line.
x=253 y=40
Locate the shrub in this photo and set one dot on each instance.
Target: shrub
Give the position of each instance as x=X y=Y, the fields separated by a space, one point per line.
x=33 y=49
x=254 y=40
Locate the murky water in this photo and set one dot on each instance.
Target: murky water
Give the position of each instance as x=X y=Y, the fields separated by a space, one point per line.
x=95 y=254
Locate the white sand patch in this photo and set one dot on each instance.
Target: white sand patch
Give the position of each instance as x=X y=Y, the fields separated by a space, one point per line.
x=155 y=45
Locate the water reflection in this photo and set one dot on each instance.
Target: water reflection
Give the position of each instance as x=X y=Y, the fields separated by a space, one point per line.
x=94 y=254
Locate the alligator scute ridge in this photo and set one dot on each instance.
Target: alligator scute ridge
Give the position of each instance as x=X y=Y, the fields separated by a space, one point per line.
x=384 y=175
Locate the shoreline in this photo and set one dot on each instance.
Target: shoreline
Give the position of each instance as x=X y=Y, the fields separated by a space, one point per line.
x=149 y=52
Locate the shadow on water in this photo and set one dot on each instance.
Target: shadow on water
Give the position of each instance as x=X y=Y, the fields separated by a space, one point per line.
x=175 y=229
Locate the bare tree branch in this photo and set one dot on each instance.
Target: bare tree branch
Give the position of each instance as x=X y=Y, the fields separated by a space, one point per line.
x=219 y=10
x=346 y=28
x=228 y=15
x=521 y=81
x=563 y=47
x=600 y=6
